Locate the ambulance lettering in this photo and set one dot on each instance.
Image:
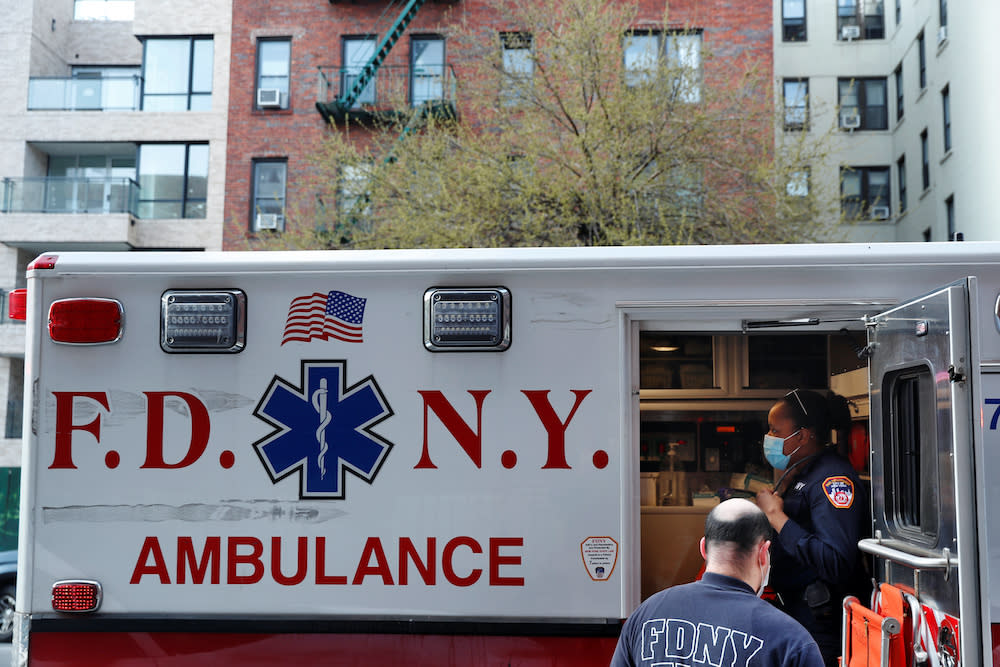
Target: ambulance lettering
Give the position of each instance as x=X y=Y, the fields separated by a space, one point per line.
x=403 y=561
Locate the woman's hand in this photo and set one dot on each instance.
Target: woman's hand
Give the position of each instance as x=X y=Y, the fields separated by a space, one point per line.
x=774 y=507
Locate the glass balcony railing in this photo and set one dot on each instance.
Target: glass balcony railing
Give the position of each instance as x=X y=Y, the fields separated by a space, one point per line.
x=69 y=195
x=392 y=88
x=84 y=94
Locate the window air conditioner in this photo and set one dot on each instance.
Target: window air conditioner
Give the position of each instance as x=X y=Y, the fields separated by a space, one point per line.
x=850 y=32
x=942 y=33
x=269 y=221
x=880 y=212
x=268 y=98
x=850 y=121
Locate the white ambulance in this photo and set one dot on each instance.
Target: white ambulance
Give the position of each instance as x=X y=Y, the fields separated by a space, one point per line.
x=477 y=457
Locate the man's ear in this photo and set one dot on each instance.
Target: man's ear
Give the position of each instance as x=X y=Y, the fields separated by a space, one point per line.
x=762 y=555
x=701 y=546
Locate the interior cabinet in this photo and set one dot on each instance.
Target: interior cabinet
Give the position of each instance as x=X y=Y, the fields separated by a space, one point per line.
x=686 y=365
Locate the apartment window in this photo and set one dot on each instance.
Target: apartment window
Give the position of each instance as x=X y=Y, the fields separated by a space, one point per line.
x=645 y=52
x=104 y=10
x=173 y=180
x=793 y=20
x=865 y=193
x=922 y=59
x=796 y=95
x=949 y=215
x=518 y=67
x=925 y=161
x=353 y=195
x=901 y=182
x=860 y=19
x=898 y=76
x=269 y=178
x=357 y=52
x=863 y=104
x=274 y=64
x=798 y=183
x=426 y=69
x=177 y=74
x=946 y=117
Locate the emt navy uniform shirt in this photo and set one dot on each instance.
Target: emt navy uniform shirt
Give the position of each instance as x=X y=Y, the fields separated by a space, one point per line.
x=717 y=620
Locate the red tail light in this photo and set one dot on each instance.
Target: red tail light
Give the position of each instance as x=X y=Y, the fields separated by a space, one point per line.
x=17 y=304
x=43 y=262
x=86 y=321
x=76 y=596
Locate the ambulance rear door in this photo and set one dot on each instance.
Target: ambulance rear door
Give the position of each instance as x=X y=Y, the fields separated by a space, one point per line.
x=924 y=378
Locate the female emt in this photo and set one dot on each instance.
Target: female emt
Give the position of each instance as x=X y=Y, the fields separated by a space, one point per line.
x=818 y=510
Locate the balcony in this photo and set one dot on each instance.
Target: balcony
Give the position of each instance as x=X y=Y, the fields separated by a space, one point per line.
x=394 y=93
x=69 y=195
x=84 y=93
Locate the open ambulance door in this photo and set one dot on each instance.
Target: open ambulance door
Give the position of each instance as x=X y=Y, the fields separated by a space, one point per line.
x=923 y=377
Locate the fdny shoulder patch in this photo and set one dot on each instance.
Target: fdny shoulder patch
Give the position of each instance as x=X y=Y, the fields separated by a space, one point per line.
x=839 y=491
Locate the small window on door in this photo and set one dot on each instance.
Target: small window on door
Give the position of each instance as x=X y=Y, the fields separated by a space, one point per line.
x=909 y=448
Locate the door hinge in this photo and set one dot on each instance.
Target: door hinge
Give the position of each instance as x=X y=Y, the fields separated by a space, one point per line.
x=955 y=375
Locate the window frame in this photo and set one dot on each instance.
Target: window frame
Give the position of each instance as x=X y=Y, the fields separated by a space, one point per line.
x=184 y=200
x=922 y=59
x=413 y=78
x=949 y=216
x=851 y=13
x=106 y=15
x=514 y=80
x=256 y=163
x=790 y=31
x=946 y=117
x=349 y=69
x=865 y=110
x=901 y=182
x=666 y=54
x=284 y=95
x=898 y=77
x=189 y=93
x=925 y=161
x=796 y=109
x=864 y=202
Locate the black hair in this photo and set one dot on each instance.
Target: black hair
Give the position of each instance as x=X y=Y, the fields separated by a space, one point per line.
x=820 y=414
x=742 y=533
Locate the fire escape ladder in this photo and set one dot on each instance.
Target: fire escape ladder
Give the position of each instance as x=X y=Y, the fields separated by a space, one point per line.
x=339 y=108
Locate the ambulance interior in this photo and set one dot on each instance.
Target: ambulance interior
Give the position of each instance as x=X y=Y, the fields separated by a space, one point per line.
x=703 y=405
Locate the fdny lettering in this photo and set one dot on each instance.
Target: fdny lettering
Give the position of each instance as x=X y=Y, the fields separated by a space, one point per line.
x=241 y=560
x=675 y=642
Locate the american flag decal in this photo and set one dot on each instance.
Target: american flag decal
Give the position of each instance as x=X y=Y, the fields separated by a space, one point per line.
x=325 y=316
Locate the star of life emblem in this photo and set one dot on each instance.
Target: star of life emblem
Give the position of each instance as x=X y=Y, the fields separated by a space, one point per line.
x=323 y=429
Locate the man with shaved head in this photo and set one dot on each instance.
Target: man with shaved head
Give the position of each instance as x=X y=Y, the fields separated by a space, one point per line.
x=720 y=619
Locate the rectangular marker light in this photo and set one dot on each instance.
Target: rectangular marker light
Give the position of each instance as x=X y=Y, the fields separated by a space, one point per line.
x=467 y=320
x=203 y=321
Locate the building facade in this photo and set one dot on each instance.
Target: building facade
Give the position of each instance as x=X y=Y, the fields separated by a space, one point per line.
x=289 y=55
x=114 y=138
x=903 y=93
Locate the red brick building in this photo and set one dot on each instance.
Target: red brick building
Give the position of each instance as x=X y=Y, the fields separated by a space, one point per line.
x=287 y=55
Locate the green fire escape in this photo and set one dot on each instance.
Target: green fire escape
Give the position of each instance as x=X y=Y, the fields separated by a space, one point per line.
x=347 y=103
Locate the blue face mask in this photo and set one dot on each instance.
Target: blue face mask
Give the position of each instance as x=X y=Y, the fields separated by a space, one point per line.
x=773 y=450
